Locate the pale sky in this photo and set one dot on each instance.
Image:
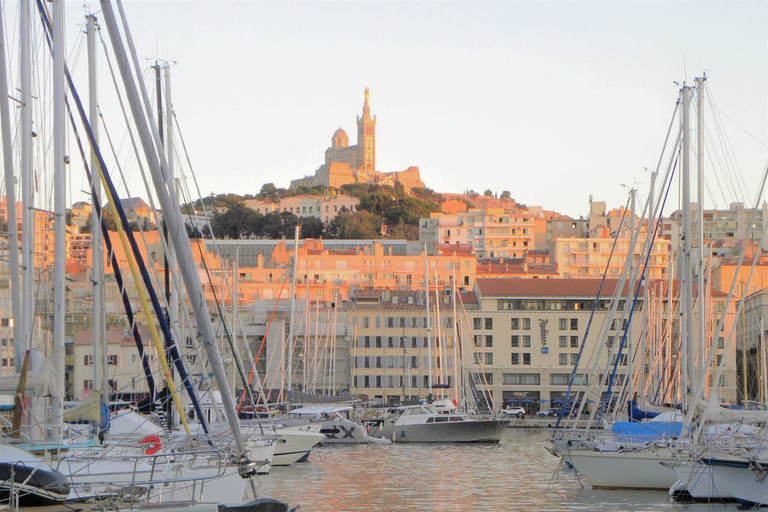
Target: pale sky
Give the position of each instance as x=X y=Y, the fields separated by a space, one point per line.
x=552 y=101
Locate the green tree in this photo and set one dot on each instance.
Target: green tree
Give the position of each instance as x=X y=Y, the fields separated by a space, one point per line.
x=237 y=222
x=488 y=193
x=506 y=195
x=359 y=225
x=311 y=227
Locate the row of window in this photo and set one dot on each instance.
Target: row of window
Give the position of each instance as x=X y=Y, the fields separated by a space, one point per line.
x=398 y=342
x=111 y=359
x=397 y=362
x=517 y=324
x=402 y=322
x=393 y=381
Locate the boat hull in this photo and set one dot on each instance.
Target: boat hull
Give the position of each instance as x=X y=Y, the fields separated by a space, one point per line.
x=699 y=482
x=747 y=483
x=624 y=470
x=471 y=431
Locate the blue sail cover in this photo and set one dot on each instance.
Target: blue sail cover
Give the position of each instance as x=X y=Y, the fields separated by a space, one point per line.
x=637 y=414
x=646 y=431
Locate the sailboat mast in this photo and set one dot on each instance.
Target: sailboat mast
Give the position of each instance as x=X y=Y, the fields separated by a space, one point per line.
x=59 y=209
x=10 y=188
x=27 y=188
x=688 y=357
x=429 y=325
x=97 y=242
x=700 y=194
x=289 y=356
x=630 y=293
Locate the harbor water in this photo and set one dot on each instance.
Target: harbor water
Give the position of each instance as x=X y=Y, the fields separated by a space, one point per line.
x=518 y=474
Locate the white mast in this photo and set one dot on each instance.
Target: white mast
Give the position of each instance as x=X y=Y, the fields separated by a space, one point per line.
x=429 y=325
x=289 y=356
x=27 y=189
x=688 y=358
x=700 y=193
x=630 y=295
x=10 y=189
x=97 y=242
x=59 y=209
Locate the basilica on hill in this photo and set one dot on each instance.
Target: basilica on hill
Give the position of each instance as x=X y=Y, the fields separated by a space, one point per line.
x=346 y=164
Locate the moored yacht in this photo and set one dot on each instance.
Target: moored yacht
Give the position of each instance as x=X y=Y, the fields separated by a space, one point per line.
x=424 y=424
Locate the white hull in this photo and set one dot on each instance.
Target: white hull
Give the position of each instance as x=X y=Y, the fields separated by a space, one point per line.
x=295 y=443
x=168 y=480
x=624 y=470
x=700 y=482
x=747 y=484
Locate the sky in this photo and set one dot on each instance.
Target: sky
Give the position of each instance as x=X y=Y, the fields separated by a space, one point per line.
x=552 y=100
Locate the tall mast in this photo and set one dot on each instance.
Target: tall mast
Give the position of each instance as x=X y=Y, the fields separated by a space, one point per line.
x=10 y=189
x=631 y=293
x=289 y=356
x=59 y=209
x=27 y=189
x=97 y=242
x=688 y=364
x=700 y=194
x=429 y=324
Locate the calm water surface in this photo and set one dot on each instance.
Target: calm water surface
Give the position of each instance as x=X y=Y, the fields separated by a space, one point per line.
x=514 y=475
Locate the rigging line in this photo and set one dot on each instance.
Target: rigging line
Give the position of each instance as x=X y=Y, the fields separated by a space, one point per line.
x=236 y=355
x=117 y=272
x=721 y=162
x=151 y=259
x=735 y=123
x=592 y=316
x=727 y=146
x=642 y=277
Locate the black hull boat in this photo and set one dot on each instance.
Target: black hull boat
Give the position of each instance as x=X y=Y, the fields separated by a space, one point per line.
x=35 y=482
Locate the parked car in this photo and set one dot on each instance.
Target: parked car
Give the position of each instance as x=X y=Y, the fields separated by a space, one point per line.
x=514 y=411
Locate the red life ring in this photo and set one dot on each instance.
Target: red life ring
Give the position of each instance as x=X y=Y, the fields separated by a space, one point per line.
x=150 y=444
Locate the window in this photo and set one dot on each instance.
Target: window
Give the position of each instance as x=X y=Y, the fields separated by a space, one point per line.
x=526 y=324
x=88 y=360
x=489 y=341
x=366 y=322
x=574 y=358
x=527 y=358
x=515 y=358
x=574 y=324
x=478 y=340
x=518 y=379
x=488 y=378
x=378 y=322
x=562 y=379
x=719 y=359
x=563 y=341
x=489 y=323
x=563 y=324
x=112 y=359
x=720 y=342
x=390 y=342
x=515 y=324
x=478 y=323
x=378 y=341
x=489 y=358
x=515 y=340
x=574 y=342
x=390 y=321
x=366 y=342
x=526 y=341
x=88 y=384
x=563 y=359
x=133 y=358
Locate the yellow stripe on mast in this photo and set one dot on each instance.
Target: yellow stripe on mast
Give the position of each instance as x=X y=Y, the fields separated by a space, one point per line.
x=144 y=304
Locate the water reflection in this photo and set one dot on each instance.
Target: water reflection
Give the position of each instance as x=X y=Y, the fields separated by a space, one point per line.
x=515 y=475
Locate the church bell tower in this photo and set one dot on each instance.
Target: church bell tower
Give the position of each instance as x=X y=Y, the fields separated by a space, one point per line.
x=366 y=137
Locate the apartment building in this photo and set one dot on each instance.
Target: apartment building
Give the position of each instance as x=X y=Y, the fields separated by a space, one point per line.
x=325 y=208
x=736 y=222
x=528 y=333
x=491 y=232
x=589 y=257
x=391 y=351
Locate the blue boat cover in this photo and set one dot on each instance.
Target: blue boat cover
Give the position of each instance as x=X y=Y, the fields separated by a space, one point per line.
x=646 y=431
x=637 y=414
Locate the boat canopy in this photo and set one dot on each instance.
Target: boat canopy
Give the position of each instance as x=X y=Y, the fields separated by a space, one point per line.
x=321 y=409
